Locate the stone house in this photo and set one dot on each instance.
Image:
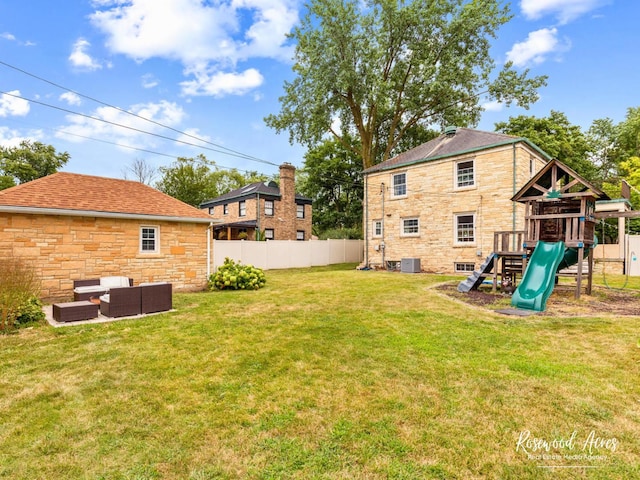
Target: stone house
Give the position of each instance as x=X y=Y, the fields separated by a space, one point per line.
x=442 y=201
x=276 y=211
x=72 y=226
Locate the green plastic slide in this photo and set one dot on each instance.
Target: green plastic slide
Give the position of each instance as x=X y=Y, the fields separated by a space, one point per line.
x=539 y=277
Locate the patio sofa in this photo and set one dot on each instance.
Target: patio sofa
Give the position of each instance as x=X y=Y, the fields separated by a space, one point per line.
x=85 y=289
x=130 y=301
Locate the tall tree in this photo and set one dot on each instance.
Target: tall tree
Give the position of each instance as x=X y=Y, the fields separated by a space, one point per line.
x=29 y=161
x=332 y=178
x=141 y=171
x=383 y=67
x=556 y=136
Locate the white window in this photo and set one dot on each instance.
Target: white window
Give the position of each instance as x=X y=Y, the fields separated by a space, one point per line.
x=300 y=235
x=149 y=239
x=465 y=175
x=464 y=267
x=410 y=227
x=465 y=228
x=225 y=209
x=211 y=210
x=268 y=207
x=400 y=185
x=377 y=228
x=242 y=208
x=299 y=211
x=268 y=233
x=532 y=166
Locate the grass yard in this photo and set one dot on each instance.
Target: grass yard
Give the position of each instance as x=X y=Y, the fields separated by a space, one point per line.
x=325 y=373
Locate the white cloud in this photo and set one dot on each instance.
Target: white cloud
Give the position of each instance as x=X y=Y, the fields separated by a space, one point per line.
x=71 y=98
x=203 y=36
x=536 y=48
x=219 y=84
x=8 y=36
x=166 y=113
x=11 y=105
x=11 y=138
x=149 y=81
x=79 y=57
x=493 y=106
x=564 y=10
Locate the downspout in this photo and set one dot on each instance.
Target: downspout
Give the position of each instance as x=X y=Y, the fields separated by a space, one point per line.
x=513 y=204
x=209 y=235
x=366 y=222
x=257 y=232
x=382 y=244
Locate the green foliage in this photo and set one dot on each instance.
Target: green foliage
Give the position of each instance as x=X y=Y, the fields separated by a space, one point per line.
x=557 y=137
x=332 y=178
x=384 y=68
x=337 y=233
x=19 y=288
x=235 y=276
x=29 y=161
x=195 y=180
x=30 y=311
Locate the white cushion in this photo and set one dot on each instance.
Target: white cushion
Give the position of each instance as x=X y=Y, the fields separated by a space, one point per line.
x=111 y=282
x=89 y=289
x=104 y=298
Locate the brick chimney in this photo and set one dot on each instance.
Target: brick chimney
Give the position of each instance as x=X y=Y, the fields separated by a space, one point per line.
x=288 y=198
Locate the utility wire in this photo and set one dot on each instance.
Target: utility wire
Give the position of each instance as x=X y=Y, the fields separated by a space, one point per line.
x=239 y=154
x=66 y=110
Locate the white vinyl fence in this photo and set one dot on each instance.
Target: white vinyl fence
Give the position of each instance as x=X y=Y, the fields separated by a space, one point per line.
x=274 y=254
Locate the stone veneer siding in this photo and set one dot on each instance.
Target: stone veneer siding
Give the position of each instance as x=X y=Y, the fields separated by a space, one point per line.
x=434 y=199
x=67 y=248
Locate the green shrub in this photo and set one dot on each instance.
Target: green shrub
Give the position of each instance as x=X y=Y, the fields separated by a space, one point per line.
x=30 y=311
x=340 y=233
x=19 y=287
x=234 y=276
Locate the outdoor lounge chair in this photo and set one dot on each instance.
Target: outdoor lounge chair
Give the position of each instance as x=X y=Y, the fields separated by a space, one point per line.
x=95 y=287
x=121 y=302
x=156 y=297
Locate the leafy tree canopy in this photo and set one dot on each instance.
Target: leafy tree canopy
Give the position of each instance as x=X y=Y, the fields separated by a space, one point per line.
x=332 y=178
x=383 y=67
x=195 y=180
x=557 y=137
x=29 y=161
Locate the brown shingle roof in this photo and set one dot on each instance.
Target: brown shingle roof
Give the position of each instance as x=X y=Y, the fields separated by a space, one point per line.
x=85 y=193
x=465 y=140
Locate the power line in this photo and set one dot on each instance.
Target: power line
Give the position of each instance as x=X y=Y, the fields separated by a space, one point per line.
x=66 y=110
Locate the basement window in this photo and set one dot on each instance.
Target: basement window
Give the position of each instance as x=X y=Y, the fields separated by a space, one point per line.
x=464 y=267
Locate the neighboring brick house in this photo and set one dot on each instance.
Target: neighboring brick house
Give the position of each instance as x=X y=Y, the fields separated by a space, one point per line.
x=275 y=211
x=442 y=201
x=72 y=226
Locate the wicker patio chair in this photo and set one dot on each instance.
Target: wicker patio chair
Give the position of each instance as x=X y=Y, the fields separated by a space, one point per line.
x=121 y=302
x=156 y=297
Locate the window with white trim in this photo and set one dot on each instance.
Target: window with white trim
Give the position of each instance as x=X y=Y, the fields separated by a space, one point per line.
x=399 y=185
x=149 y=239
x=268 y=208
x=465 y=174
x=225 y=209
x=410 y=227
x=464 y=267
x=300 y=235
x=269 y=233
x=377 y=228
x=211 y=210
x=299 y=210
x=465 y=228
x=242 y=208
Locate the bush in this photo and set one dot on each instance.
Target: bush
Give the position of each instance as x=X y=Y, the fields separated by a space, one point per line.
x=30 y=311
x=19 y=288
x=340 y=233
x=234 y=276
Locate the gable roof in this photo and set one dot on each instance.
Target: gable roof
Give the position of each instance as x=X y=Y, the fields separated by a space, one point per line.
x=557 y=180
x=74 y=194
x=270 y=189
x=463 y=141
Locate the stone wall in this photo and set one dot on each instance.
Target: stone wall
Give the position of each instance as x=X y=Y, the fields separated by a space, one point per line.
x=66 y=248
x=433 y=198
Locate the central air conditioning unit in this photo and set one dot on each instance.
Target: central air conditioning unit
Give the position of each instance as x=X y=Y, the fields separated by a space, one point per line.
x=410 y=265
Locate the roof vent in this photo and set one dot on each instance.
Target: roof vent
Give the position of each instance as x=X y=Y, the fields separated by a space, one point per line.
x=450 y=130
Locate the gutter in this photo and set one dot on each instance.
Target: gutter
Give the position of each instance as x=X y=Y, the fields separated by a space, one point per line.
x=99 y=214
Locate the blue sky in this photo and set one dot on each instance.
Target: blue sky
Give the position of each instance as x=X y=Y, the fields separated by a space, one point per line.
x=214 y=70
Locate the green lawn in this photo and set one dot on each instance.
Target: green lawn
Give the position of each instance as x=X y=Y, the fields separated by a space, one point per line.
x=324 y=373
